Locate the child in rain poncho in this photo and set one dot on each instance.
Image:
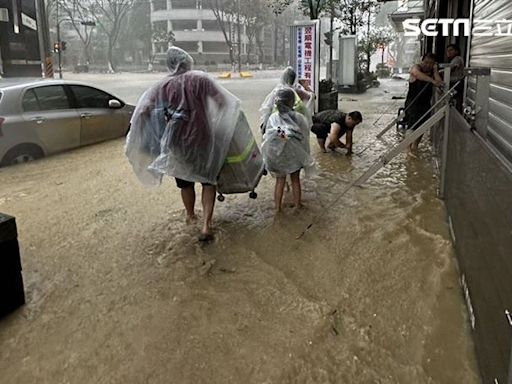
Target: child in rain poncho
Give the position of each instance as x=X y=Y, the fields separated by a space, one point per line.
x=303 y=100
x=285 y=146
x=182 y=127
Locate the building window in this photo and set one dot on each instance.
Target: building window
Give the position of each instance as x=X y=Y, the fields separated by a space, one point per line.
x=159 y=5
x=215 y=47
x=211 y=25
x=160 y=26
x=189 y=46
x=184 y=4
x=184 y=25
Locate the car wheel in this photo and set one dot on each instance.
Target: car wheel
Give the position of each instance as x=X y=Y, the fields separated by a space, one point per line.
x=21 y=154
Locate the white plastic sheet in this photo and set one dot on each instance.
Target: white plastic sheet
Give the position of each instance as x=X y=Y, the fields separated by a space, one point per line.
x=182 y=127
x=285 y=145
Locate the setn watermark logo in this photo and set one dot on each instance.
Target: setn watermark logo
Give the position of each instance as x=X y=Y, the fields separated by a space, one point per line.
x=453 y=27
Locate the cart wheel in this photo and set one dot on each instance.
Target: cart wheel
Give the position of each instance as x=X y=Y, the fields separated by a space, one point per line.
x=221 y=198
x=253 y=195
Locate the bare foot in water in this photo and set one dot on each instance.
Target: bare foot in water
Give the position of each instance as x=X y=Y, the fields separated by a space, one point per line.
x=191 y=220
x=206 y=237
x=297 y=208
x=411 y=155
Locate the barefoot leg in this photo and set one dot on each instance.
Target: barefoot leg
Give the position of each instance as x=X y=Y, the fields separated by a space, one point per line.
x=296 y=189
x=208 y=201
x=278 y=192
x=321 y=143
x=188 y=195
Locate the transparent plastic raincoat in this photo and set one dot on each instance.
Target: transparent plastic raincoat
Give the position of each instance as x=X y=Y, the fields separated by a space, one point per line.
x=288 y=80
x=285 y=145
x=182 y=126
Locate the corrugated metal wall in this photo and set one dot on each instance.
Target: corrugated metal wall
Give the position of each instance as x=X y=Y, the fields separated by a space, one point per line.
x=477 y=199
x=496 y=52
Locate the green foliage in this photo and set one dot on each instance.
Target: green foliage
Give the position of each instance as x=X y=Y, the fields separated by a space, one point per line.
x=370 y=42
x=278 y=6
x=313 y=8
x=354 y=14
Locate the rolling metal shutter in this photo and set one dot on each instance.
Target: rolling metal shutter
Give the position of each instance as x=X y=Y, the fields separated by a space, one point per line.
x=496 y=52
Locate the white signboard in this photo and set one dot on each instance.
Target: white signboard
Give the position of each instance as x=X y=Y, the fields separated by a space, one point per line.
x=347 y=70
x=29 y=22
x=305 y=53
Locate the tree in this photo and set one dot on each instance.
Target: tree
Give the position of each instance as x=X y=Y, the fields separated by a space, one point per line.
x=354 y=14
x=49 y=8
x=398 y=50
x=371 y=41
x=78 y=17
x=135 y=37
x=256 y=15
x=313 y=8
x=109 y=16
x=277 y=7
x=224 y=11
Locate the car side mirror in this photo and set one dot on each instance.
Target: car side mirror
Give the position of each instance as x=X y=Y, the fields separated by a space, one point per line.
x=114 y=104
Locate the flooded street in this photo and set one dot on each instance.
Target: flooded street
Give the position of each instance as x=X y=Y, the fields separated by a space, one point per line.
x=120 y=291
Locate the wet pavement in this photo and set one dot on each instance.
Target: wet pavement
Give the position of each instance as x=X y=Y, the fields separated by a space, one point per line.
x=120 y=291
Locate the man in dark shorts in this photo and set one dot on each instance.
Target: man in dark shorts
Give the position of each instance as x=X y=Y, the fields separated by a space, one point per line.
x=189 y=120
x=331 y=125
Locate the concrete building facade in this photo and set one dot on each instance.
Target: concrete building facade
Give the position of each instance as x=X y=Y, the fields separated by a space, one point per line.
x=196 y=30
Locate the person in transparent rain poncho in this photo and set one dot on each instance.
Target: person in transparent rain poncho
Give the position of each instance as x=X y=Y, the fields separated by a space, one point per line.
x=182 y=127
x=303 y=98
x=285 y=147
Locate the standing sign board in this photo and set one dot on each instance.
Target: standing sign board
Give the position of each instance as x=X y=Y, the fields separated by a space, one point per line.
x=347 y=70
x=305 y=53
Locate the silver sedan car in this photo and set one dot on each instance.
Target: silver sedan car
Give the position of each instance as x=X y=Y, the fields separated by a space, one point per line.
x=42 y=117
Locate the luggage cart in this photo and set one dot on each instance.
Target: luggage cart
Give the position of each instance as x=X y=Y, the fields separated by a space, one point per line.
x=244 y=166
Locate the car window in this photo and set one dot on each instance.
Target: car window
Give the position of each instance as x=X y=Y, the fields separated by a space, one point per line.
x=88 y=97
x=29 y=102
x=52 y=97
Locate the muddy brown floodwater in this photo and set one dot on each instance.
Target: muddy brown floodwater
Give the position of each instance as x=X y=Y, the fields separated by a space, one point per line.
x=119 y=290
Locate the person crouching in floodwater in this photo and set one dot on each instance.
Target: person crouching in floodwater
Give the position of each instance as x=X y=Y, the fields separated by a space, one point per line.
x=331 y=125
x=285 y=147
x=423 y=77
x=182 y=127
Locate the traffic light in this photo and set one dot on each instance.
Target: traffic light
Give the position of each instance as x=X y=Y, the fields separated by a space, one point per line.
x=63 y=45
x=56 y=47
